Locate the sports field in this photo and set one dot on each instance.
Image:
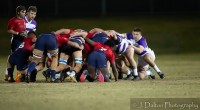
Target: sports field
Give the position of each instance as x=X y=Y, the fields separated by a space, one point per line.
x=182 y=81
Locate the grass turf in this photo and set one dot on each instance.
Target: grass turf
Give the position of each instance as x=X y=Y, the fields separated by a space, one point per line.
x=182 y=81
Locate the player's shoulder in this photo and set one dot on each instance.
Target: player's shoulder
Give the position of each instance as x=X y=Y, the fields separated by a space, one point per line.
x=12 y=19
x=34 y=21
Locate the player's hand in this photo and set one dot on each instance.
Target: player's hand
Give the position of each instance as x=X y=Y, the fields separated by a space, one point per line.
x=22 y=34
x=82 y=40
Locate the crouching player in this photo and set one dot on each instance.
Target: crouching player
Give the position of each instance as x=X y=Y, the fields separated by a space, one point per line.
x=97 y=59
x=20 y=57
x=48 y=42
x=146 y=56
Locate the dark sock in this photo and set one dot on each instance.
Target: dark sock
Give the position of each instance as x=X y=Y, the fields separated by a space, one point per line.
x=89 y=78
x=31 y=67
x=48 y=71
x=52 y=73
x=10 y=72
x=33 y=75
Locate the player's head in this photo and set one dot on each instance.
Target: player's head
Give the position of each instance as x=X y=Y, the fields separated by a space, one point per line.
x=137 y=32
x=21 y=11
x=110 y=43
x=31 y=12
x=30 y=33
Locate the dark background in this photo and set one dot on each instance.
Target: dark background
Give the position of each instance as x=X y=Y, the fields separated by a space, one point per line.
x=170 y=26
x=73 y=8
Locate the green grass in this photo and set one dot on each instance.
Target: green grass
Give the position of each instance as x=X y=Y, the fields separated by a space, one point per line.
x=182 y=81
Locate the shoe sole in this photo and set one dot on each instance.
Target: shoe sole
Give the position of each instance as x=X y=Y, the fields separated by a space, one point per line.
x=73 y=79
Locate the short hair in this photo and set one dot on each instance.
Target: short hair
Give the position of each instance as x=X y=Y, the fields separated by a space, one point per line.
x=137 y=30
x=31 y=32
x=32 y=8
x=20 y=8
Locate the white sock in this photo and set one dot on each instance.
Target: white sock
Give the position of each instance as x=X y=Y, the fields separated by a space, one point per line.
x=135 y=72
x=156 y=69
x=128 y=72
x=73 y=73
x=57 y=76
x=6 y=72
x=148 y=72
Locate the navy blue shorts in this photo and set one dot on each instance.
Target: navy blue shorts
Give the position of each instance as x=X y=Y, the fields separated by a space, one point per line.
x=67 y=49
x=100 y=37
x=20 y=59
x=16 y=42
x=97 y=59
x=46 y=42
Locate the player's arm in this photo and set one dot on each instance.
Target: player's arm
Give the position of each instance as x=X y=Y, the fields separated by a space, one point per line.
x=10 y=28
x=11 y=31
x=73 y=44
x=94 y=30
x=138 y=49
x=114 y=69
x=63 y=31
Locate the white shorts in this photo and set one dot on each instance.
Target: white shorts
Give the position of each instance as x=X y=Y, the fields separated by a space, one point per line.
x=141 y=61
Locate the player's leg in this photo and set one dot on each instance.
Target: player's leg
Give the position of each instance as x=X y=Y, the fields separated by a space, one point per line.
x=77 y=55
x=62 y=62
x=92 y=73
x=92 y=62
x=143 y=69
x=150 y=59
x=130 y=57
x=54 y=64
x=9 y=70
x=101 y=65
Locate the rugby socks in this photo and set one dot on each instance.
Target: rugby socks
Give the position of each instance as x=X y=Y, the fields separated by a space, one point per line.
x=53 y=75
x=73 y=73
x=33 y=75
x=10 y=72
x=34 y=72
x=31 y=67
x=48 y=71
x=135 y=72
x=156 y=69
x=128 y=72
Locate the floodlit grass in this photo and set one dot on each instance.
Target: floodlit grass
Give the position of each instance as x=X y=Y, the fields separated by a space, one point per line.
x=182 y=81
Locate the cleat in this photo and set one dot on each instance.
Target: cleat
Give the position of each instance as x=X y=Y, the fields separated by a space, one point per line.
x=18 y=76
x=11 y=80
x=63 y=75
x=23 y=78
x=136 y=78
x=6 y=78
x=53 y=79
x=32 y=77
x=82 y=77
x=110 y=77
x=47 y=76
x=100 y=77
x=161 y=74
x=128 y=77
x=73 y=79
x=151 y=76
x=27 y=78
